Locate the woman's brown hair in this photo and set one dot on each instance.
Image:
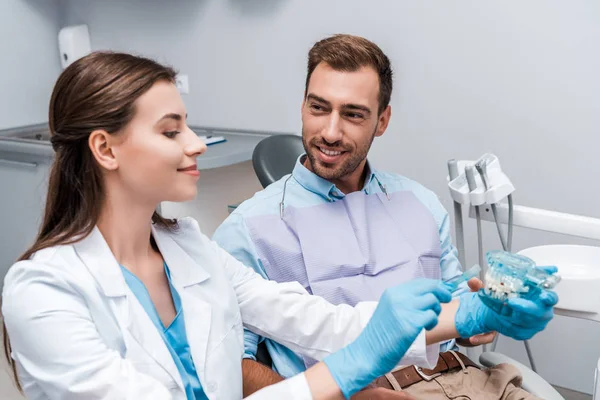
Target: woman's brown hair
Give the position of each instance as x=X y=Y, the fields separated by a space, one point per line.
x=98 y=91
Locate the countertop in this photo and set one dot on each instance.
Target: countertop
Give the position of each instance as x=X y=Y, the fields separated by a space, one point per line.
x=238 y=147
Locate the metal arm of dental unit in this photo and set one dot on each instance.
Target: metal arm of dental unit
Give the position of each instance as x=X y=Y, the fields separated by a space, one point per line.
x=479 y=184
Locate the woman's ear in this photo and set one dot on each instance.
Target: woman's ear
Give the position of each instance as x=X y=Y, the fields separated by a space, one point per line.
x=100 y=144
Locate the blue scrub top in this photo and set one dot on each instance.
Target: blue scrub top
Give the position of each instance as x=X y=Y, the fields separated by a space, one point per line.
x=174 y=335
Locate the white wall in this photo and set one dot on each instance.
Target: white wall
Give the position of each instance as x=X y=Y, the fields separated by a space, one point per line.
x=217 y=188
x=516 y=78
x=29 y=59
x=29 y=65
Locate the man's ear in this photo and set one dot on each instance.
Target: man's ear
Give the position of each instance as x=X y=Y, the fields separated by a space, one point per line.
x=100 y=143
x=384 y=120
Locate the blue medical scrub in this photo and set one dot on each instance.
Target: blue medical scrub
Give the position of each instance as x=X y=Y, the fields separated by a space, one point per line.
x=174 y=335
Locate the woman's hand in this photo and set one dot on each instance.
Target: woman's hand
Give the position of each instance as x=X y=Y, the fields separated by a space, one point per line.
x=402 y=313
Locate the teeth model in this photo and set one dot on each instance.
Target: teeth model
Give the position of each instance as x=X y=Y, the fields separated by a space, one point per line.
x=511 y=275
x=502 y=287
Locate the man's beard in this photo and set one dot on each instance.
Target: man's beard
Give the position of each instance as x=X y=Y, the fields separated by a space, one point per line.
x=348 y=166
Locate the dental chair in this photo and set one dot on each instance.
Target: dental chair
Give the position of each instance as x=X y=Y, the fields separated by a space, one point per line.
x=275 y=157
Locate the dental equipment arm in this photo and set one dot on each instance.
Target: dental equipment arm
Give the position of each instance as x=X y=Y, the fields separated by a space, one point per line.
x=470 y=174
x=481 y=167
x=458 y=216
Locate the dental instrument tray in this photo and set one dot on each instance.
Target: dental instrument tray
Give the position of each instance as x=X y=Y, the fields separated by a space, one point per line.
x=509 y=276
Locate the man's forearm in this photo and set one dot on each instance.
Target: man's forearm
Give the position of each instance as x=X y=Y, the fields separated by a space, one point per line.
x=446 y=327
x=256 y=376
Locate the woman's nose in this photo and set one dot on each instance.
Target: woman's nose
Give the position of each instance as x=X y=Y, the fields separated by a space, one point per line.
x=195 y=146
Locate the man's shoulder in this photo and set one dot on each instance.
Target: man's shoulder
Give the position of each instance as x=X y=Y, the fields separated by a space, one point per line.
x=233 y=234
x=396 y=183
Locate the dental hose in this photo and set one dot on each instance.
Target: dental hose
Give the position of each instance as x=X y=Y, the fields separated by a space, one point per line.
x=470 y=174
x=482 y=169
x=506 y=245
x=510 y=222
x=509 y=249
x=502 y=240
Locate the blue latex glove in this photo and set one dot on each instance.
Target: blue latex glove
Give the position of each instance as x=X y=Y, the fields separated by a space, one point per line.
x=402 y=313
x=528 y=317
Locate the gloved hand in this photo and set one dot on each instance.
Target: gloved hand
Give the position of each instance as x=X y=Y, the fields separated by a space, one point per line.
x=475 y=284
x=402 y=313
x=528 y=317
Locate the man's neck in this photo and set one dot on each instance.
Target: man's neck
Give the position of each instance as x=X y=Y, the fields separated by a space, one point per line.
x=352 y=182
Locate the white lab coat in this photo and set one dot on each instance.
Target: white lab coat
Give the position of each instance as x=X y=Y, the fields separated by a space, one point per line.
x=78 y=332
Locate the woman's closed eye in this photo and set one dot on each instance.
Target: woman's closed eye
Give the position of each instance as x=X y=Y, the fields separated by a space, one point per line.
x=171 y=134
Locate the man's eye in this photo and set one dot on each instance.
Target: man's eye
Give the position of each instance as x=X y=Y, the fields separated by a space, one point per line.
x=171 y=134
x=354 y=115
x=316 y=107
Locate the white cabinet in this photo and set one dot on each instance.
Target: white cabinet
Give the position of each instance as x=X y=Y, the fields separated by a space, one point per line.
x=22 y=197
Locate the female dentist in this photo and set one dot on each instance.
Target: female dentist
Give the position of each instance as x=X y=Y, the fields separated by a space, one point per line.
x=112 y=301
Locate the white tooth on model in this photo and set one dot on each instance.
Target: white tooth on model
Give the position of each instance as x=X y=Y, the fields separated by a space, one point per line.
x=503 y=287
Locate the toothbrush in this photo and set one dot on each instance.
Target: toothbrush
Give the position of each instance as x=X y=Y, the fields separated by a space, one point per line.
x=453 y=283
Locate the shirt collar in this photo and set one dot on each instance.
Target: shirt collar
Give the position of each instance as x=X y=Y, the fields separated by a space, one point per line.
x=314 y=183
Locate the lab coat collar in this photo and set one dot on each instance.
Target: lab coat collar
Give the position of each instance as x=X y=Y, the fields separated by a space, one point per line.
x=184 y=269
x=97 y=256
x=185 y=272
x=100 y=261
x=314 y=183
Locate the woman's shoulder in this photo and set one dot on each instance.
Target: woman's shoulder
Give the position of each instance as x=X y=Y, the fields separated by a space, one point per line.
x=45 y=264
x=32 y=284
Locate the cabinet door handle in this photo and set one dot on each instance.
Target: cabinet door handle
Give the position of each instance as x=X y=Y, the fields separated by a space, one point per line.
x=18 y=163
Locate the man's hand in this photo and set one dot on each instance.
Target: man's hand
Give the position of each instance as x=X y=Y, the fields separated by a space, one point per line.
x=477 y=340
x=381 y=394
x=475 y=284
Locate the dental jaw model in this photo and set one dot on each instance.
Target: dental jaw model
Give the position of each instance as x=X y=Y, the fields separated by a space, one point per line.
x=510 y=276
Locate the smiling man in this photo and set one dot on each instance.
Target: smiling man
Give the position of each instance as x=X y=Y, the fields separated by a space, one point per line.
x=347 y=231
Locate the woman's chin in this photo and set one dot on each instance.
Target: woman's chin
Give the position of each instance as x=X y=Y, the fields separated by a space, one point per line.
x=182 y=196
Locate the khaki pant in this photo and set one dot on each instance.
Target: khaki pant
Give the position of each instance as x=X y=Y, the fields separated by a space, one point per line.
x=502 y=382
